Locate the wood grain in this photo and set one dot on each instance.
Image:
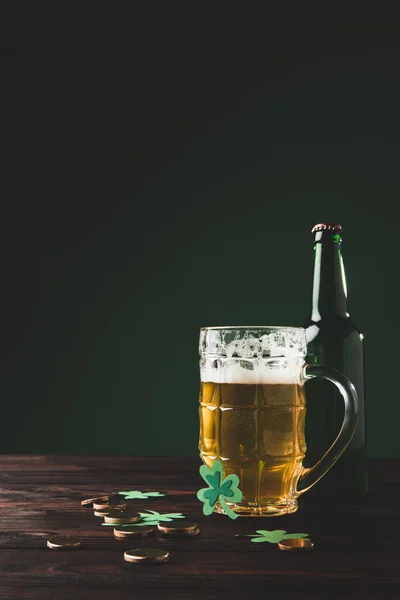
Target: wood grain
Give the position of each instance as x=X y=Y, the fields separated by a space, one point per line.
x=355 y=554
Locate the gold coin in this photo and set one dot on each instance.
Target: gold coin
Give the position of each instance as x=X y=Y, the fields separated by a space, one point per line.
x=128 y=532
x=110 y=504
x=91 y=501
x=100 y=512
x=294 y=544
x=177 y=527
x=121 y=516
x=64 y=542
x=146 y=555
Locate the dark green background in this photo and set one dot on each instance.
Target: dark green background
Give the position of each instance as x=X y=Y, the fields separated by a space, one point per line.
x=168 y=178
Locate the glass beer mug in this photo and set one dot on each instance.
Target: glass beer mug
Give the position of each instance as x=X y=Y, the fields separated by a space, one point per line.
x=253 y=411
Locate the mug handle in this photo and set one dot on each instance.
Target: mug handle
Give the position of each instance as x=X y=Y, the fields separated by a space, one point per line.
x=311 y=475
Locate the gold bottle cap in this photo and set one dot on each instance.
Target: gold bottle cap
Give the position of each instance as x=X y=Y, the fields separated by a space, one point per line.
x=129 y=532
x=63 y=542
x=177 y=527
x=90 y=501
x=121 y=516
x=146 y=555
x=294 y=544
x=326 y=226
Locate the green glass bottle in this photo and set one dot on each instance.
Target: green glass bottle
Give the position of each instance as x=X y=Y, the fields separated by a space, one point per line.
x=333 y=339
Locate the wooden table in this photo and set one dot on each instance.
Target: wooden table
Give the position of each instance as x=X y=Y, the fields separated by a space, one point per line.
x=356 y=553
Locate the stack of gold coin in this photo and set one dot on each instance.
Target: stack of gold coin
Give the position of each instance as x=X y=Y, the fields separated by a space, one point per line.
x=100 y=512
x=178 y=528
x=64 y=542
x=111 y=502
x=146 y=556
x=118 y=517
x=130 y=532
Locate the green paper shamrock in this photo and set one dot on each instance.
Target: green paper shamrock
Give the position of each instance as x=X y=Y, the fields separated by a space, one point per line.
x=135 y=494
x=160 y=517
x=220 y=488
x=151 y=517
x=273 y=537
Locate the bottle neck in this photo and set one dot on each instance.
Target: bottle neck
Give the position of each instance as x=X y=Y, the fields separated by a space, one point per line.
x=329 y=296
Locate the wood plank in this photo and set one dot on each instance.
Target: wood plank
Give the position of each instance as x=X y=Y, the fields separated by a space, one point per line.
x=355 y=546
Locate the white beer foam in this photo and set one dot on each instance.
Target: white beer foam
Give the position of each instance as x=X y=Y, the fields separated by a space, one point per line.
x=254 y=371
x=253 y=342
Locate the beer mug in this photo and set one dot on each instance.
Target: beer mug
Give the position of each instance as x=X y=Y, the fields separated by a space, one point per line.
x=253 y=411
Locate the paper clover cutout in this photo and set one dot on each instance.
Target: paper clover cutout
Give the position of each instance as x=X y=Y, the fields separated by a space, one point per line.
x=136 y=494
x=219 y=488
x=273 y=537
x=151 y=517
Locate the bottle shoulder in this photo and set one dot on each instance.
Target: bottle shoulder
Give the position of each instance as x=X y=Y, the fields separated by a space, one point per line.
x=334 y=324
x=336 y=334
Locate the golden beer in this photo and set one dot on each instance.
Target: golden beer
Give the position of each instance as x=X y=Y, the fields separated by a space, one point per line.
x=257 y=432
